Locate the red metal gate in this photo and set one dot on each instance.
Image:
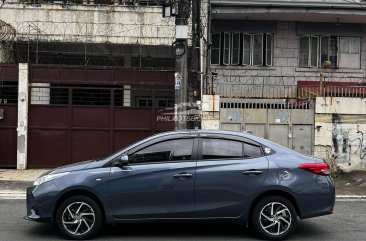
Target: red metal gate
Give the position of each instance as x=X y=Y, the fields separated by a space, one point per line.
x=84 y=117
x=9 y=109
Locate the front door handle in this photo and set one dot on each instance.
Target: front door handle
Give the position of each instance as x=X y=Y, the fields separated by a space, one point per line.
x=183 y=175
x=252 y=172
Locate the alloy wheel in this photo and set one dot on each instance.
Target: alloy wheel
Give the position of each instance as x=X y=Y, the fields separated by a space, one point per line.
x=275 y=218
x=78 y=218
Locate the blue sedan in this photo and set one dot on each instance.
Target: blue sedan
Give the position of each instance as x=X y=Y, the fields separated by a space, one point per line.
x=196 y=176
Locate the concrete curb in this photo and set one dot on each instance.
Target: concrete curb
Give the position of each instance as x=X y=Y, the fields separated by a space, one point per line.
x=12 y=194
x=351 y=197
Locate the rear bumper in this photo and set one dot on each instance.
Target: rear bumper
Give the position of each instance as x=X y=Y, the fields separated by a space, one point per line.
x=319 y=200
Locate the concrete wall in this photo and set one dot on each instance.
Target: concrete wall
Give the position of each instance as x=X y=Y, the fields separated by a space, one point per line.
x=340 y=124
x=92 y=24
x=210 y=112
x=247 y=81
x=22 y=126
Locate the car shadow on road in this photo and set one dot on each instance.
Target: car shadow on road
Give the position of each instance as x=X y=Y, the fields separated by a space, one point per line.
x=160 y=231
x=42 y=231
x=310 y=230
x=306 y=230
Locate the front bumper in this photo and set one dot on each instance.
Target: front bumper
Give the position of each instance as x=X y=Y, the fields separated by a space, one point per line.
x=41 y=201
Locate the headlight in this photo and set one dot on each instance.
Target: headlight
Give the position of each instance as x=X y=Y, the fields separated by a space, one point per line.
x=49 y=177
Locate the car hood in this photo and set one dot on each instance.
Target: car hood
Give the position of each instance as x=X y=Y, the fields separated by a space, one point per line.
x=72 y=167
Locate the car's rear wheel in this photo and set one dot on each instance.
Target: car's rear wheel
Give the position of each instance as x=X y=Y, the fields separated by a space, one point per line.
x=79 y=217
x=274 y=218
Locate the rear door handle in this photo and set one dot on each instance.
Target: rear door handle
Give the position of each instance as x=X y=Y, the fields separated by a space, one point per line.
x=183 y=175
x=252 y=172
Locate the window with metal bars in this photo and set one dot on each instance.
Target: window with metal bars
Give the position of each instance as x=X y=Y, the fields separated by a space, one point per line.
x=242 y=49
x=329 y=51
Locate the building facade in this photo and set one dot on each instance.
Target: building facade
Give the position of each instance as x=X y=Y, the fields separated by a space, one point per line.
x=292 y=72
x=80 y=80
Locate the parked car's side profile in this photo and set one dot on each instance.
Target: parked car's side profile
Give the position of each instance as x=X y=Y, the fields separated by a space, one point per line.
x=187 y=175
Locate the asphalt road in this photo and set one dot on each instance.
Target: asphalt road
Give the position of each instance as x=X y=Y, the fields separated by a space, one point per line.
x=347 y=223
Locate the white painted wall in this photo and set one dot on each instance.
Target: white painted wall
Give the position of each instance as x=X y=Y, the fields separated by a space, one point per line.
x=340 y=131
x=90 y=23
x=340 y=105
x=22 y=128
x=210 y=112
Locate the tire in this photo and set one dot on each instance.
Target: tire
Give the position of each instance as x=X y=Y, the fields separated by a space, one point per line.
x=79 y=217
x=274 y=218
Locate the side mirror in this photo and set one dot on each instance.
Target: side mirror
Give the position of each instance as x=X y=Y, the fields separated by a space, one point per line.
x=267 y=150
x=123 y=161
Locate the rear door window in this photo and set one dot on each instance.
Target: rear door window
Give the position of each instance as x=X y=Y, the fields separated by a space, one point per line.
x=252 y=151
x=221 y=149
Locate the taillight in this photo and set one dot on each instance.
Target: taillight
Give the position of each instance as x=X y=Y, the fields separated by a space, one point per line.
x=316 y=168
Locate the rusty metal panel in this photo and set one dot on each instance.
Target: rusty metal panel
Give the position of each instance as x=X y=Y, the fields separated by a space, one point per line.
x=123 y=138
x=92 y=117
x=47 y=147
x=96 y=75
x=272 y=119
x=255 y=116
x=256 y=129
x=279 y=134
x=230 y=127
x=302 y=138
x=89 y=144
x=71 y=130
x=302 y=116
x=48 y=116
x=9 y=72
x=133 y=118
x=10 y=116
x=231 y=115
x=279 y=116
x=93 y=75
x=8 y=136
x=8 y=147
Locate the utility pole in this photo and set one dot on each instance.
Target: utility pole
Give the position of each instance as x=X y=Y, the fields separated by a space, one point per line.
x=196 y=56
x=181 y=65
x=181 y=10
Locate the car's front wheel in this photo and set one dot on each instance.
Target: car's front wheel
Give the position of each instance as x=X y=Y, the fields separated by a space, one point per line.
x=79 y=217
x=274 y=218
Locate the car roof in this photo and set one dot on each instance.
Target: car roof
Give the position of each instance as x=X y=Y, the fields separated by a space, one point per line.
x=223 y=132
x=200 y=131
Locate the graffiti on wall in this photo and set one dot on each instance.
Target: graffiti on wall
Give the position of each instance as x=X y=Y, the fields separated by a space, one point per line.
x=348 y=142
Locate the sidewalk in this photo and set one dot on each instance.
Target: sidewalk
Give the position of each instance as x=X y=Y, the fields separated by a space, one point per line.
x=13 y=183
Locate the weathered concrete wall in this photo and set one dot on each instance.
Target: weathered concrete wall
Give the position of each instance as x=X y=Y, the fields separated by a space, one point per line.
x=247 y=81
x=340 y=125
x=22 y=128
x=210 y=112
x=93 y=23
x=340 y=105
